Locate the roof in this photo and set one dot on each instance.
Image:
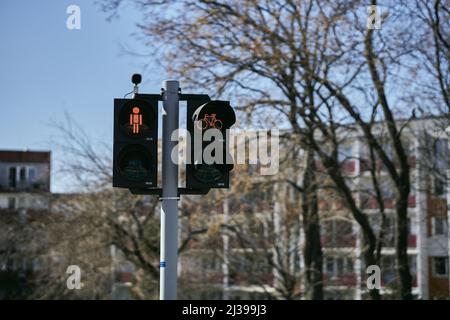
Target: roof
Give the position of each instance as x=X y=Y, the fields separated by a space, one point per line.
x=25 y=156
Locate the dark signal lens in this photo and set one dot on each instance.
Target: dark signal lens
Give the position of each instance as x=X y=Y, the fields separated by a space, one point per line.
x=135 y=163
x=207 y=173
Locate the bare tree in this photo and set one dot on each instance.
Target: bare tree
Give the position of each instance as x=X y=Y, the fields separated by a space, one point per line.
x=318 y=67
x=85 y=224
x=431 y=52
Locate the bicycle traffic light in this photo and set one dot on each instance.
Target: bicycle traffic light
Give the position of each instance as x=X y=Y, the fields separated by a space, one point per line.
x=202 y=172
x=135 y=160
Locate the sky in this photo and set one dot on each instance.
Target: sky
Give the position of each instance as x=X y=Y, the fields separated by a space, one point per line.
x=47 y=70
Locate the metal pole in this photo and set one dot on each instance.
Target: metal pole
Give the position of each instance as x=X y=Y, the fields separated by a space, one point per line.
x=226 y=251
x=169 y=207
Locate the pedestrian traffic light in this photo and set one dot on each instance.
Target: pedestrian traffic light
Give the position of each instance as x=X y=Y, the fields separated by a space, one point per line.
x=135 y=160
x=203 y=172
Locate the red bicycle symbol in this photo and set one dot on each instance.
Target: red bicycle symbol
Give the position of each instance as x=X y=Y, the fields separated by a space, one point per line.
x=209 y=121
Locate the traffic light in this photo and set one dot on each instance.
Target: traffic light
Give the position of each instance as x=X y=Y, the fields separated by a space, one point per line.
x=135 y=161
x=201 y=173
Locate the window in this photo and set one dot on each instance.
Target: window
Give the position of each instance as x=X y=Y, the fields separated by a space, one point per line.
x=387 y=190
x=257 y=296
x=439 y=226
x=211 y=264
x=441 y=153
x=387 y=147
x=36 y=264
x=344 y=266
x=363 y=150
x=409 y=226
x=23 y=174
x=337 y=232
x=345 y=152
x=389 y=229
x=342 y=227
x=440 y=266
x=412 y=264
x=338 y=266
x=11 y=203
x=349 y=266
x=330 y=266
x=413 y=189
x=388 y=270
x=439 y=186
x=21 y=203
x=12 y=177
x=32 y=174
x=327 y=228
x=408 y=146
x=440 y=165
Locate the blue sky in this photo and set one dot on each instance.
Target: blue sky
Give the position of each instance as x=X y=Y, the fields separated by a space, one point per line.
x=47 y=69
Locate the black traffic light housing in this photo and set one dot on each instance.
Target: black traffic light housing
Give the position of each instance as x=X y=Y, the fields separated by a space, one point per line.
x=207 y=115
x=135 y=153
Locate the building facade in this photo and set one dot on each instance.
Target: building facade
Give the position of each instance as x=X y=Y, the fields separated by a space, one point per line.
x=226 y=276
x=428 y=218
x=24 y=197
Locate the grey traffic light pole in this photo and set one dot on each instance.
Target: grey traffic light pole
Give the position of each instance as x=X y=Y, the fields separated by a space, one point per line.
x=169 y=207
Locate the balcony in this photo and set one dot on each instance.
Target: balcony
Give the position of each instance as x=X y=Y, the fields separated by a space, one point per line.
x=26 y=187
x=348 y=166
x=333 y=204
x=389 y=242
x=389 y=203
x=365 y=164
x=412 y=162
x=412 y=241
x=344 y=241
x=412 y=201
x=372 y=203
x=436 y=206
x=246 y=278
x=31 y=212
x=123 y=276
x=340 y=280
x=388 y=279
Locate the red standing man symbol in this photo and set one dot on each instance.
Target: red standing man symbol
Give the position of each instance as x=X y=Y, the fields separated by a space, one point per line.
x=135 y=119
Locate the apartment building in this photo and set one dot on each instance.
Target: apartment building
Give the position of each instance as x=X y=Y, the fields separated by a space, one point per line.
x=343 y=266
x=428 y=218
x=24 y=197
x=24 y=179
x=28 y=214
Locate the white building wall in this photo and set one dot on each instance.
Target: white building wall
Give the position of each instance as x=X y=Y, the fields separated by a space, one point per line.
x=421 y=214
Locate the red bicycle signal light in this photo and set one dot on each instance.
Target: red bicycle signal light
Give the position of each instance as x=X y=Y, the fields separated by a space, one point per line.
x=214 y=114
x=210 y=121
x=209 y=115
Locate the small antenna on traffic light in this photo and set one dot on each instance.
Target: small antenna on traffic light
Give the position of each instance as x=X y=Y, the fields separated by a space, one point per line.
x=136 y=80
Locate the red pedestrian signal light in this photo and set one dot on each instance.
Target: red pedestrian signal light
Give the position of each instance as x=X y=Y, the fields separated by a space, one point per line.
x=135 y=143
x=136 y=119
